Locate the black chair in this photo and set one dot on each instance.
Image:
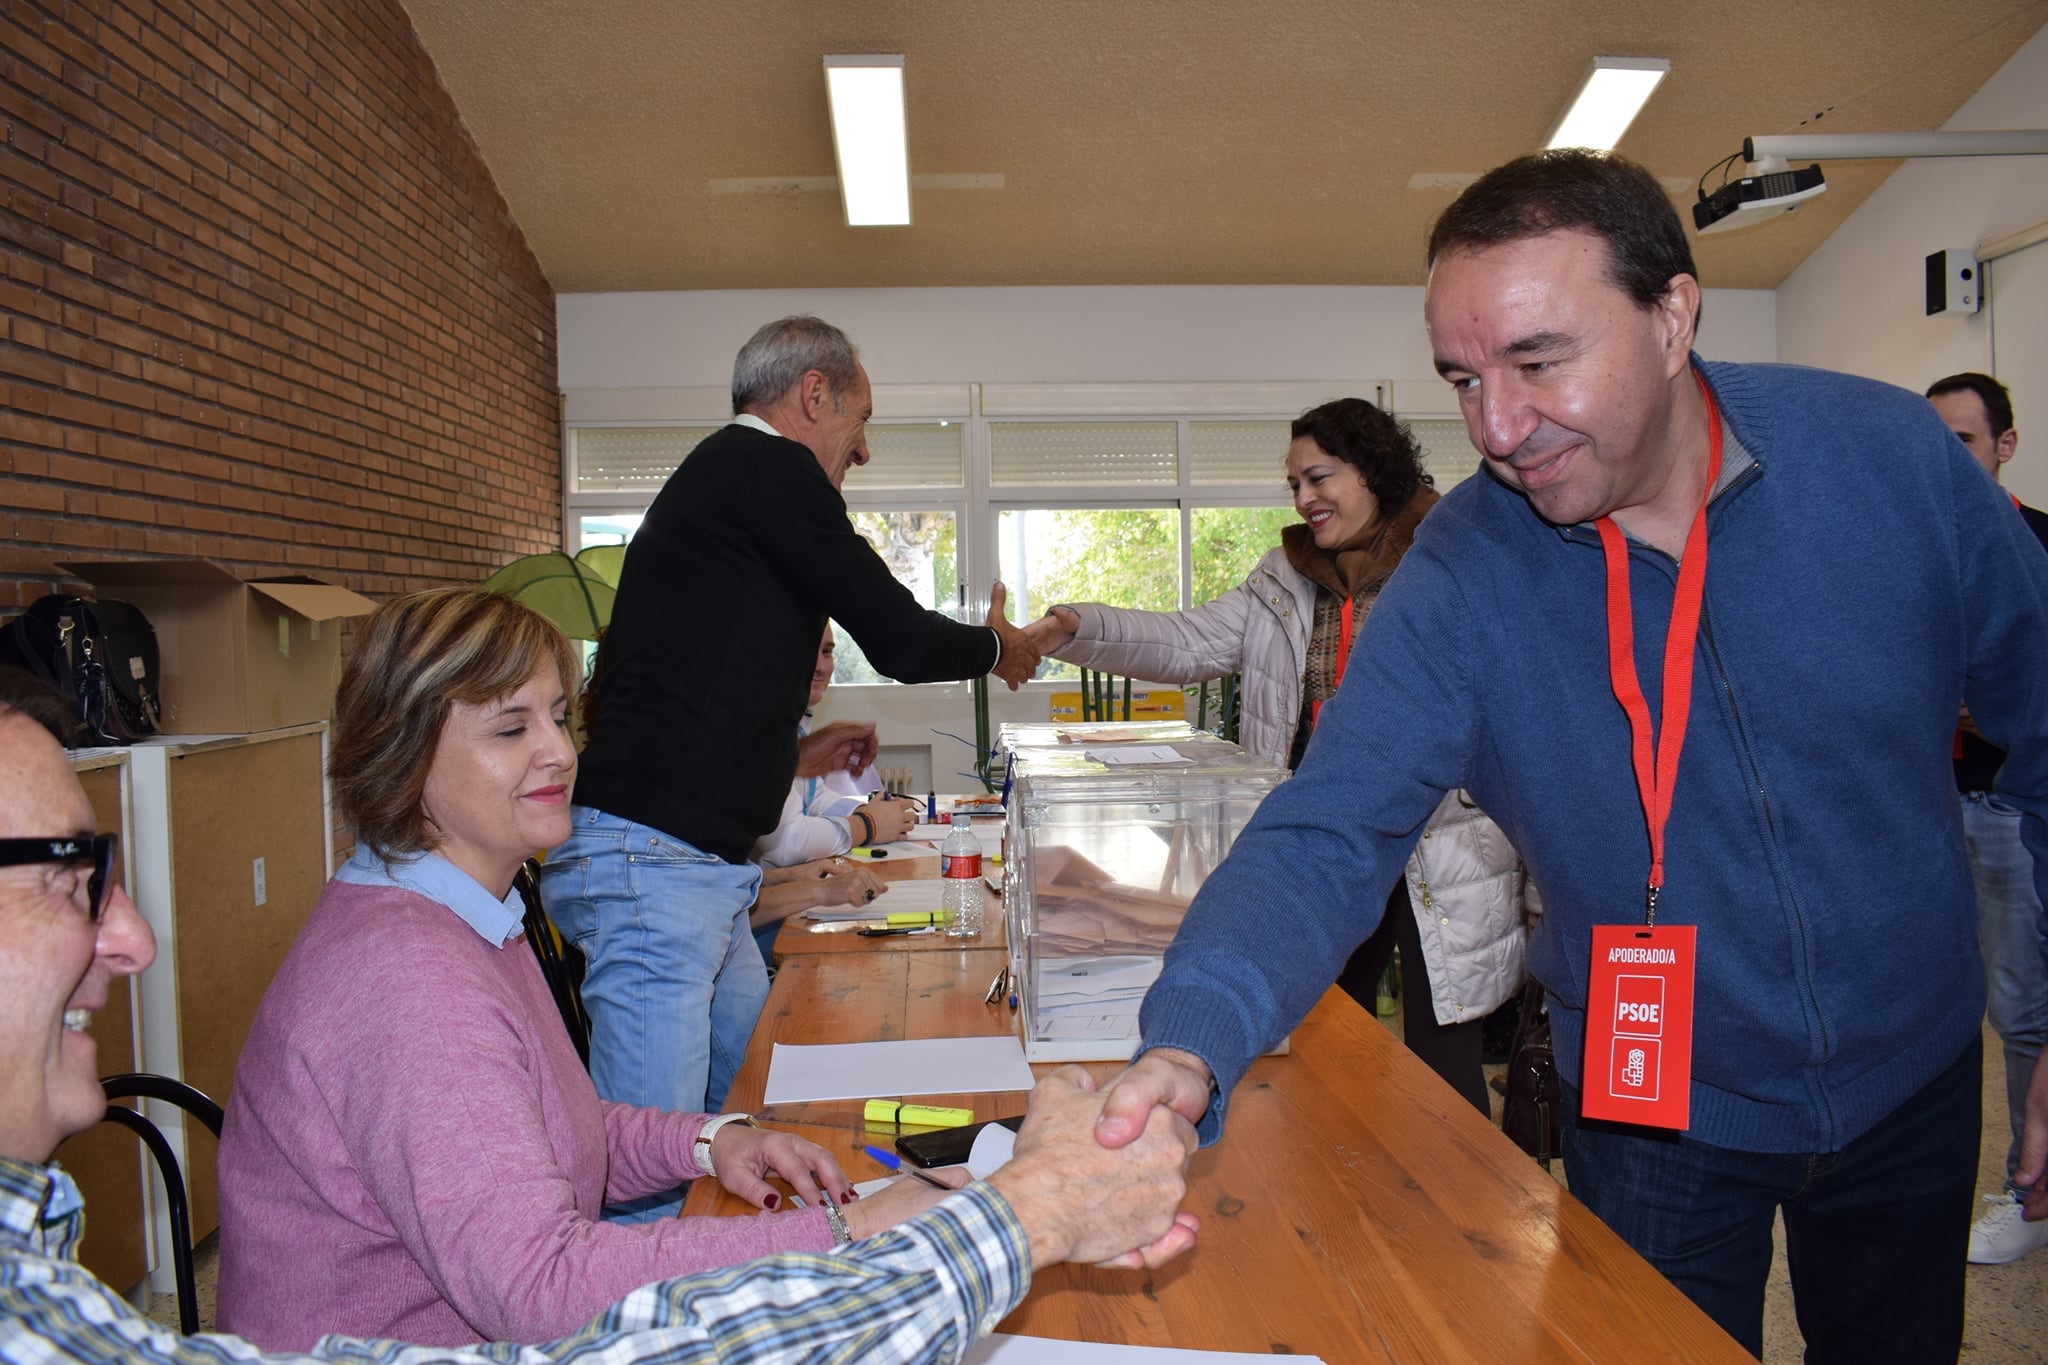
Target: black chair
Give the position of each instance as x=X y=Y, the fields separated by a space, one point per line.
x=561 y=965
x=145 y=1086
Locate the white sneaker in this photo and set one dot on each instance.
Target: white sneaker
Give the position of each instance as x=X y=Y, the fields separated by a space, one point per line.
x=2002 y=1236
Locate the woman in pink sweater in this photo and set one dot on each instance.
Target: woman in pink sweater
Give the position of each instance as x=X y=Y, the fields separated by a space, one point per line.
x=412 y=1148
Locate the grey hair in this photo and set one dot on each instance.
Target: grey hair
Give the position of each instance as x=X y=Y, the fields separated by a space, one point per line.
x=782 y=352
x=23 y=694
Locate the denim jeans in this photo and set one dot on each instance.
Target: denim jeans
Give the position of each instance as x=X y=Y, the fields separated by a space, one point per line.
x=674 y=983
x=2009 y=932
x=1875 y=1234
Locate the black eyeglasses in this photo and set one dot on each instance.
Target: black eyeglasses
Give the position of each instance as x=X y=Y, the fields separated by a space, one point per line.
x=94 y=849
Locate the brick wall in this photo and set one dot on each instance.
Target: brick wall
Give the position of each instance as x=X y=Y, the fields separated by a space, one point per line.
x=260 y=302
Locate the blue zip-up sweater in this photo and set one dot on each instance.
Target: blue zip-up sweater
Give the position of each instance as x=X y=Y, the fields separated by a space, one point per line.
x=1864 y=575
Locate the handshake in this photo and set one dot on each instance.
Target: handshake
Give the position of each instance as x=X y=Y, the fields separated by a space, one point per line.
x=1098 y=1176
x=1026 y=646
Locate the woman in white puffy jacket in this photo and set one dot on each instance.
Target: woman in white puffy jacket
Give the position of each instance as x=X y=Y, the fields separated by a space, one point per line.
x=1359 y=487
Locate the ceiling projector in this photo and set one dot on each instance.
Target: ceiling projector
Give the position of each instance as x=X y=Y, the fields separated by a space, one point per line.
x=1755 y=198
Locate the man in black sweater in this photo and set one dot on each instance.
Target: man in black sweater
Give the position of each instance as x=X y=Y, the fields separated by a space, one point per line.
x=1978 y=410
x=725 y=590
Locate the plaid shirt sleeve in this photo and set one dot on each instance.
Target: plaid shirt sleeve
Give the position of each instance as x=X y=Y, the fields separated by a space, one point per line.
x=922 y=1292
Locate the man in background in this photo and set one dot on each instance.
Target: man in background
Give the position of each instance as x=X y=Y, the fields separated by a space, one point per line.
x=923 y=1291
x=1978 y=409
x=725 y=590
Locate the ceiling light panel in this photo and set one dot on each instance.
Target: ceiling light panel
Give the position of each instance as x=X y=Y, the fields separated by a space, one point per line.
x=866 y=94
x=1612 y=94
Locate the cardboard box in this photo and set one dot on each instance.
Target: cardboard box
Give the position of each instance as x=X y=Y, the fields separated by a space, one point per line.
x=238 y=655
x=1147 y=703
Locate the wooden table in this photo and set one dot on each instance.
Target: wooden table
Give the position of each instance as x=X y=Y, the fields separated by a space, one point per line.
x=1356 y=1208
x=874 y=997
x=896 y=869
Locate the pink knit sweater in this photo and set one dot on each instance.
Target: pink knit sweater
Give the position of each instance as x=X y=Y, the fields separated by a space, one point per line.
x=413 y=1150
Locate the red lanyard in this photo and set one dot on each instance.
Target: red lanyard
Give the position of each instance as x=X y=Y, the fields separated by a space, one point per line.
x=1315 y=711
x=1656 y=758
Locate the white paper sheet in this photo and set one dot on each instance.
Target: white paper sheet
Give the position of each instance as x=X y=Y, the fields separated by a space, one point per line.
x=1138 y=753
x=919 y=896
x=1004 y=1349
x=993 y=1147
x=915 y=1066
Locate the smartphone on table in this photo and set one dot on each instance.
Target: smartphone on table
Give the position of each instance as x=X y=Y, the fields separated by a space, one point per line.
x=947 y=1146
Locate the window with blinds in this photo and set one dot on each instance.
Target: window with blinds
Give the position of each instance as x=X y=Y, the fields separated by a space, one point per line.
x=912 y=455
x=1447 y=451
x=630 y=459
x=1237 y=452
x=1078 y=454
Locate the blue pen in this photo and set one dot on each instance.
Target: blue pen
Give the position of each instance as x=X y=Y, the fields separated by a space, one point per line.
x=888 y=1159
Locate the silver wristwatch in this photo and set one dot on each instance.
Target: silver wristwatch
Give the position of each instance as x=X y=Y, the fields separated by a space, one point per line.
x=842 y=1235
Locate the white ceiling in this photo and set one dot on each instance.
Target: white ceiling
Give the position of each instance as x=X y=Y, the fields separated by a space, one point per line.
x=1147 y=141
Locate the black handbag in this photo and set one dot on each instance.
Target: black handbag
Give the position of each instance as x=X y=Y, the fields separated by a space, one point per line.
x=101 y=657
x=1535 y=1096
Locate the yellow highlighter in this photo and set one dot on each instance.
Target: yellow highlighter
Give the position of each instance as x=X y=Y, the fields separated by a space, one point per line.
x=917 y=1115
x=903 y=919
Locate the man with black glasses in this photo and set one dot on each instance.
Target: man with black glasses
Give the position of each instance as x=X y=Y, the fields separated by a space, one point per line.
x=923 y=1291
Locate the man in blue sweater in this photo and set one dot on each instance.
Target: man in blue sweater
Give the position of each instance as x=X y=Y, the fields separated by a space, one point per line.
x=1808 y=850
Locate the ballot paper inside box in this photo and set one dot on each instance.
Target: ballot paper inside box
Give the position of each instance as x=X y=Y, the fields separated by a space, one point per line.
x=1105 y=854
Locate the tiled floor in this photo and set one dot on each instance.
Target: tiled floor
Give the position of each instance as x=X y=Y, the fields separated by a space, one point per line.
x=2007 y=1311
x=163 y=1308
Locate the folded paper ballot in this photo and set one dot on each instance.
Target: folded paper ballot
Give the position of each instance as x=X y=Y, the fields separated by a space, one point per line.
x=915 y=1066
x=1092 y=997
x=1132 y=755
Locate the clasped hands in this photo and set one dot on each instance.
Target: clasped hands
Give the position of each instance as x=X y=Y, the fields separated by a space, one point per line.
x=1078 y=1197
x=1024 y=647
x=849 y=745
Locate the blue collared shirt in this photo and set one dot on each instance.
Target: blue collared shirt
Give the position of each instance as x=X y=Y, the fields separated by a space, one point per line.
x=496 y=921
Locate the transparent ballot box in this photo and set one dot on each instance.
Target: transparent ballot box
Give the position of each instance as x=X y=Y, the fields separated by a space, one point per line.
x=1103 y=858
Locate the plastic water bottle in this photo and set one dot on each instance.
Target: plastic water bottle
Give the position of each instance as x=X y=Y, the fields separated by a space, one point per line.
x=960 y=866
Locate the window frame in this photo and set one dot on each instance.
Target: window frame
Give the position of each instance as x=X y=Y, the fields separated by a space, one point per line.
x=1184 y=494
x=978 y=503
